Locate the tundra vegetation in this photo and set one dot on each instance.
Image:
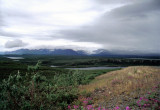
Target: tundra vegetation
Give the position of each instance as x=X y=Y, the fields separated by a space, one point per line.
x=33 y=89
x=136 y=88
x=46 y=88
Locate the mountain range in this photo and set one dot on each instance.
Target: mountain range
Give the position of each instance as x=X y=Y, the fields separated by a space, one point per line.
x=47 y=52
x=67 y=52
x=70 y=52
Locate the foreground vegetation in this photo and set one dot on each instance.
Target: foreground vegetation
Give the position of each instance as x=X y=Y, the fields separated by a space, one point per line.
x=43 y=88
x=129 y=88
x=35 y=92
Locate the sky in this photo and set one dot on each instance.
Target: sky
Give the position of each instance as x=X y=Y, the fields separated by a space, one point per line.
x=114 y=25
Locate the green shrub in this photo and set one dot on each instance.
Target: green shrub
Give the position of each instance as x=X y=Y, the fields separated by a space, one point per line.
x=35 y=92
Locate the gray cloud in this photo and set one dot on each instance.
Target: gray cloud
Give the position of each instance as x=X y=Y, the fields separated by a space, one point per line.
x=15 y=43
x=114 y=1
x=131 y=27
x=139 y=8
x=9 y=34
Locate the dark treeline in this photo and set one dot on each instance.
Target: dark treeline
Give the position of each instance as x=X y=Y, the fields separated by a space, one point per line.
x=86 y=61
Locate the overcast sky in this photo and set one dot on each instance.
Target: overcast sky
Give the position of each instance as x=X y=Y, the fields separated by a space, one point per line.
x=114 y=25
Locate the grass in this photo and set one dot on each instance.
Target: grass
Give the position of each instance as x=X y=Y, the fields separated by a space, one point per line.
x=121 y=86
x=91 y=74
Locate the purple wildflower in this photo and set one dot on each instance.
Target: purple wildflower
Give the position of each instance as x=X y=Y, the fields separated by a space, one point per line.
x=85 y=102
x=99 y=108
x=117 y=108
x=69 y=107
x=75 y=106
x=127 y=108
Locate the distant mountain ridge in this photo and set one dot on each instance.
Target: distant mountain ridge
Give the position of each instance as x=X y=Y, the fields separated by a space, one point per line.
x=1 y=53
x=47 y=52
x=71 y=52
x=99 y=52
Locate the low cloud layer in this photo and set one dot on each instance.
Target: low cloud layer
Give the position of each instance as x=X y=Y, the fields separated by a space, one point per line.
x=15 y=43
x=115 y=25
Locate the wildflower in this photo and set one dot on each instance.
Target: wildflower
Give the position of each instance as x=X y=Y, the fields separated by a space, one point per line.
x=89 y=98
x=75 y=106
x=144 y=105
x=155 y=100
x=146 y=100
x=85 y=102
x=148 y=104
x=127 y=108
x=99 y=108
x=89 y=107
x=116 y=107
x=149 y=92
x=69 y=107
x=138 y=102
x=141 y=98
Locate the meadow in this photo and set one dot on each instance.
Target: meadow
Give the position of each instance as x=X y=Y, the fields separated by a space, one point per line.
x=136 y=87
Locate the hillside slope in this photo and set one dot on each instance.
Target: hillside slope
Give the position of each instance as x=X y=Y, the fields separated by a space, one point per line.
x=124 y=87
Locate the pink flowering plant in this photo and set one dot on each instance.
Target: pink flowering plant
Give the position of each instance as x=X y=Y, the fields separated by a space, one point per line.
x=151 y=100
